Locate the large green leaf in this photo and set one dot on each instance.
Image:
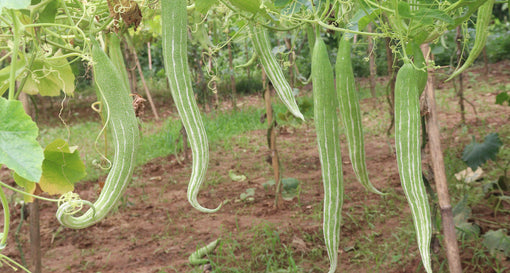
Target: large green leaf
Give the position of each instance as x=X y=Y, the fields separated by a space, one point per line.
x=497 y=241
x=61 y=169
x=19 y=150
x=49 y=76
x=204 y=5
x=476 y=154
x=47 y=15
x=14 y=4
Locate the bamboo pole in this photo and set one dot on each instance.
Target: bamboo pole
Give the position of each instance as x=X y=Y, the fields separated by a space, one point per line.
x=436 y=154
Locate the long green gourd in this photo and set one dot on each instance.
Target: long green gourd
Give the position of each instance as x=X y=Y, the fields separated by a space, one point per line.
x=326 y=126
x=273 y=69
x=115 y=53
x=120 y=119
x=407 y=141
x=482 y=22
x=350 y=112
x=175 y=49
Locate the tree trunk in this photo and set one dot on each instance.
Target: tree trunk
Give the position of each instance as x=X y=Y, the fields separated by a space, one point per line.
x=372 y=67
x=271 y=135
x=436 y=156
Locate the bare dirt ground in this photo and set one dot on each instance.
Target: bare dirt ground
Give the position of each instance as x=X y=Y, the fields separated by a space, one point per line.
x=155 y=229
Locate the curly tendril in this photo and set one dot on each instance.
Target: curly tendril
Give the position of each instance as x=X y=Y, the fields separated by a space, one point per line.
x=69 y=204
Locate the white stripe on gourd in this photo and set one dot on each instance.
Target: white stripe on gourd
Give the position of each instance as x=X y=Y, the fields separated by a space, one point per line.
x=174 y=27
x=407 y=141
x=273 y=70
x=326 y=126
x=120 y=119
x=351 y=114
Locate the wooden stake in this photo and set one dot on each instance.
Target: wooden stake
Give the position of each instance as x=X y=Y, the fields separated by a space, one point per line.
x=147 y=92
x=272 y=139
x=436 y=154
x=35 y=237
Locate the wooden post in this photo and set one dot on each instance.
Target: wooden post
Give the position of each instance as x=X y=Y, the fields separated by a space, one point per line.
x=271 y=134
x=147 y=92
x=35 y=237
x=436 y=154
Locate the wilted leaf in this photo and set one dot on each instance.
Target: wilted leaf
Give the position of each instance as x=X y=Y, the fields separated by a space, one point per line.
x=236 y=177
x=476 y=154
x=19 y=150
x=497 y=241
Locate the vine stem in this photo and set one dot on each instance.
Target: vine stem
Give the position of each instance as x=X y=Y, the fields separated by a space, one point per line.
x=14 y=57
x=452 y=249
x=7 y=218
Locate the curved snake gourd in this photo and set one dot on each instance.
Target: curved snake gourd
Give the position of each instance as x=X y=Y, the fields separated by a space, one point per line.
x=407 y=141
x=175 y=49
x=351 y=113
x=326 y=126
x=120 y=119
x=484 y=16
x=273 y=69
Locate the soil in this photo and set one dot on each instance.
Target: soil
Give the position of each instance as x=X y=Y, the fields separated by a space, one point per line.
x=155 y=229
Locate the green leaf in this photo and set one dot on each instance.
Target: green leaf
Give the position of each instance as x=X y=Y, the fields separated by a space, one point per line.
x=248 y=195
x=404 y=10
x=29 y=187
x=461 y=214
x=290 y=188
x=503 y=97
x=497 y=241
x=49 y=76
x=14 y=4
x=204 y=5
x=48 y=14
x=429 y=15
x=5 y=75
x=19 y=150
x=62 y=167
x=476 y=154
